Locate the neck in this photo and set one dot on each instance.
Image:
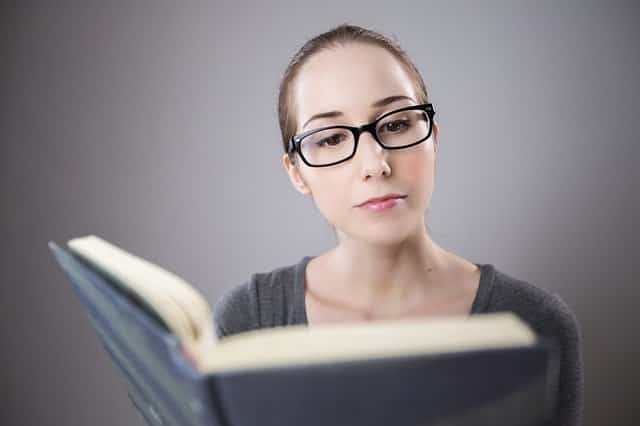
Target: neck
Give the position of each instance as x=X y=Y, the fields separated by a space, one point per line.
x=372 y=273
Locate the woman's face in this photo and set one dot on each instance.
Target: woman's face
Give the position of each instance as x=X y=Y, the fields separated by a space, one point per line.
x=350 y=79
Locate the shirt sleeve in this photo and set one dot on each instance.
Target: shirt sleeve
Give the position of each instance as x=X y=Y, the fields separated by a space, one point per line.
x=550 y=317
x=571 y=377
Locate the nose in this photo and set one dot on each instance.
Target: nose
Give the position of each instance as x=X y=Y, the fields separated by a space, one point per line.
x=373 y=157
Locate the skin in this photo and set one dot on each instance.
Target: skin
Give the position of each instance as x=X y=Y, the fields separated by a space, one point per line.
x=385 y=264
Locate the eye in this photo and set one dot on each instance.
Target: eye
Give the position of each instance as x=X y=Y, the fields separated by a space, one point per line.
x=332 y=140
x=395 y=125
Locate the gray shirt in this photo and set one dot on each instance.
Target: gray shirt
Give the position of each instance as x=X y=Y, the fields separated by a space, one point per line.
x=277 y=298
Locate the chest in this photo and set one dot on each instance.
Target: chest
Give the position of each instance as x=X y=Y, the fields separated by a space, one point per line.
x=457 y=300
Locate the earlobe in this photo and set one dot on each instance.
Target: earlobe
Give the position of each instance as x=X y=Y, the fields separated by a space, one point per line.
x=304 y=189
x=295 y=176
x=302 y=186
x=300 y=183
x=435 y=135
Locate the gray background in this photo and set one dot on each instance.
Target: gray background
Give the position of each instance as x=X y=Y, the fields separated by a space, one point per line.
x=155 y=127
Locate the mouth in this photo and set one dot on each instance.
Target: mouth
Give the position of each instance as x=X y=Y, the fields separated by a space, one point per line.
x=381 y=200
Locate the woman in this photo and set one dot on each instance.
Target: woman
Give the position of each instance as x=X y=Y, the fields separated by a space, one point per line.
x=385 y=265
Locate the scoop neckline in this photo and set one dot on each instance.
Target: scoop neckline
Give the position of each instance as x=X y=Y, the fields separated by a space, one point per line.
x=479 y=305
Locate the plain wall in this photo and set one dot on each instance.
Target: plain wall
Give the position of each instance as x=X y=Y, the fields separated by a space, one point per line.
x=154 y=126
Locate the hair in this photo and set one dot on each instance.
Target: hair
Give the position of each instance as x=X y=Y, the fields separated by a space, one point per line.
x=335 y=37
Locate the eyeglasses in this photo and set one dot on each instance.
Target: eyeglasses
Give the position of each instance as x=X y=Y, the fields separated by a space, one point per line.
x=397 y=129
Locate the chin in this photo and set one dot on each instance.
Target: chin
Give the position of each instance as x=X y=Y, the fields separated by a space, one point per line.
x=384 y=233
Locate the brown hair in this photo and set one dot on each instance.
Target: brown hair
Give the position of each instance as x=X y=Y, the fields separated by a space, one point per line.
x=338 y=36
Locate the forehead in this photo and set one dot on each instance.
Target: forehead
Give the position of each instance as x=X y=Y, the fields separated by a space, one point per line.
x=348 y=79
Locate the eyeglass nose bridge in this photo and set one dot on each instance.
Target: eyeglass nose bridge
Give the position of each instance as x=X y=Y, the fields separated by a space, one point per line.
x=371 y=128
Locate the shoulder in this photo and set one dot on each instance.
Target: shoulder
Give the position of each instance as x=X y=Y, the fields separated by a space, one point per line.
x=548 y=314
x=235 y=310
x=545 y=310
x=256 y=302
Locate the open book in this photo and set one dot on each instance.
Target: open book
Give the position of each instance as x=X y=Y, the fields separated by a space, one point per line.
x=139 y=306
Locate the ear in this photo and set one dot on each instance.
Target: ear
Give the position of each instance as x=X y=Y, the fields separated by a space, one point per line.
x=435 y=135
x=295 y=176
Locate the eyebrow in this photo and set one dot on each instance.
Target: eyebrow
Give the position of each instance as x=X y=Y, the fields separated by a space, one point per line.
x=377 y=104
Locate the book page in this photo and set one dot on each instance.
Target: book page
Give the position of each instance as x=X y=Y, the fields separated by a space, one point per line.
x=184 y=310
x=302 y=344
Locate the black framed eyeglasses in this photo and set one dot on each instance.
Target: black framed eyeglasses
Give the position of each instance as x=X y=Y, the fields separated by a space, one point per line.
x=398 y=129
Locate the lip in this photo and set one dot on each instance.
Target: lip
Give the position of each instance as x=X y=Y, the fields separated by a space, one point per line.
x=381 y=199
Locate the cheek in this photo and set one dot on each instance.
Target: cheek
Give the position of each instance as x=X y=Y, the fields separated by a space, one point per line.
x=416 y=169
x=330 y=193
